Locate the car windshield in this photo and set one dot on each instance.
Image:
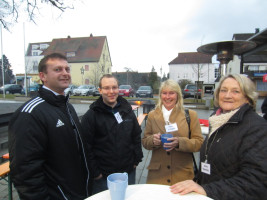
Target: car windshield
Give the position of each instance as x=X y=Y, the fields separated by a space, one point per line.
x=82 y=87
x=125 y=87
x=191 y=87
x=144 y=88
x=6 y=86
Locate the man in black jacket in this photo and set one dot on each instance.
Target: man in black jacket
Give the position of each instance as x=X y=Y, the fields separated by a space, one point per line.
x=113 y=135
x=47 y=153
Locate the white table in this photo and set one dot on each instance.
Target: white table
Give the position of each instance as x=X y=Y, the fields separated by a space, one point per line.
x=149 y=192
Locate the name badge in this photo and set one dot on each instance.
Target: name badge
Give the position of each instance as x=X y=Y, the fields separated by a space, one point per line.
x=118 y=117
x=205 y=168
x=171 y=127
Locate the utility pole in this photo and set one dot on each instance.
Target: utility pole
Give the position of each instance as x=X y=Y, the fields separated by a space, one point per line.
x=2 y=55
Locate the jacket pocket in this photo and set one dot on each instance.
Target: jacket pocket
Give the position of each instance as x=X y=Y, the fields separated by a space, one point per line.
x=154 y=166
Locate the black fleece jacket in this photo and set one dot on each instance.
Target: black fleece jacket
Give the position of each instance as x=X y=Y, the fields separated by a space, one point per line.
x=47 y=153
x=114 y=147
x=237 y=154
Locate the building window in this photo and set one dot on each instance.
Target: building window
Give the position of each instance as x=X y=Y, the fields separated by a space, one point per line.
x=86 y=68
x=253 y=68
x=178 y=75
x=185 y=75
x=87 y=82
x=263 y=68
x=35 y=46
x=216 y=72
x=70 y=54
x=43 y=46
x=35 y=53
x=35 y=66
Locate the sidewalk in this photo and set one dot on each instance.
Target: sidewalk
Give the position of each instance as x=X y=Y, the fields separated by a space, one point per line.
x=141 y=170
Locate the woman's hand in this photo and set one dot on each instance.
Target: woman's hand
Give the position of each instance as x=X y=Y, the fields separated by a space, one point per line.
x=173 y=144
x=156 y=139
x=187 y=186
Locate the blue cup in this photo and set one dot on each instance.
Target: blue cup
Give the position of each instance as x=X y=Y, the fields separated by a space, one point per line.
x=164 y=139
x=117 y=184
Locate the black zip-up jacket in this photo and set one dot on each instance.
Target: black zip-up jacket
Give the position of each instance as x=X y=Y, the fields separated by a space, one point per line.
x=47 y=153
x=237 y=154
x=114 y=147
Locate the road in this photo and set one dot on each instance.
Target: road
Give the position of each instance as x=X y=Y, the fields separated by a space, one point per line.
x=8 y=106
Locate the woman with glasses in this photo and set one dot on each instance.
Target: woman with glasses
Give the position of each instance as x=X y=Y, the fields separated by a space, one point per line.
x=233 y=156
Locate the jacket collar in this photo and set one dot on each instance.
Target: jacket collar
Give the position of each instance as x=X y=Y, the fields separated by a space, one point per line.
x=237 y=117
x=122 y=105
x=51 y=98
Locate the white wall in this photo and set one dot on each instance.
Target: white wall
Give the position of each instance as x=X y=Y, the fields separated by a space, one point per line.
x=233 y=66
x=188 y=71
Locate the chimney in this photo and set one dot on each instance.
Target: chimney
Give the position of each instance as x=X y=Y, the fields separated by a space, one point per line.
x=257 y=30
x=91 y=35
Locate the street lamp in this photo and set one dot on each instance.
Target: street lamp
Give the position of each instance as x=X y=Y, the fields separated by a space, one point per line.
x=82 y=73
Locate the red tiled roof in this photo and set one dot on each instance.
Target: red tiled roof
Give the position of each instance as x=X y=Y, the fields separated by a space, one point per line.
x=87 y=49
x=192 y=58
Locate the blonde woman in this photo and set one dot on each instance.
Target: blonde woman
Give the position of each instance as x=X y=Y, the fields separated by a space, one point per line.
x=174 y=164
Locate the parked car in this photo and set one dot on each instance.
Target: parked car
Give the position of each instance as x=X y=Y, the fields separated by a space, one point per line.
x=190 y=90
x=12 y=89
x=96 y=92
x=144 y=91
x=84 y=90
x=70 y=89
x=126 y=90
x=33 y=87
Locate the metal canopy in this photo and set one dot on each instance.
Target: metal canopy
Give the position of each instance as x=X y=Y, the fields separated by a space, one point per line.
x=237 y=47
x=225 y=51
x=261 y=40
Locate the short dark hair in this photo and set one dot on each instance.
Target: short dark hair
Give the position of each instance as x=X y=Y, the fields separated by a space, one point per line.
x=107 y=76
x=42 y=64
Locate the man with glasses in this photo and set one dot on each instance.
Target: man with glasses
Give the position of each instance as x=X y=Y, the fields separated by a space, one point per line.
x=113 y=135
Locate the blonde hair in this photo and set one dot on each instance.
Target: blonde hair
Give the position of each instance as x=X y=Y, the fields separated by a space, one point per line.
x=246 y=85
x=173 y=86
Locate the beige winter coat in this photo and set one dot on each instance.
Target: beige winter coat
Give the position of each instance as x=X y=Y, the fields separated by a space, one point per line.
x=168 y=168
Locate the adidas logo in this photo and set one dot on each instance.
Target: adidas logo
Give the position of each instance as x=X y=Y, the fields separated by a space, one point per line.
x=59 y=123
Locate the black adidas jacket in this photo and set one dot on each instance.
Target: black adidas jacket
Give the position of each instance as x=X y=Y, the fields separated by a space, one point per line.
x=47 y=157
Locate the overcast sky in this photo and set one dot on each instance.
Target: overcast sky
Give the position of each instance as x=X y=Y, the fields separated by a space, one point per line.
x=140 y=33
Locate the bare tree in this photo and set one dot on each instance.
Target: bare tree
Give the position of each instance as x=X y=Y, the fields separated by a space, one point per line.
x=198 y=69
x=10 y=9
x=127 y=69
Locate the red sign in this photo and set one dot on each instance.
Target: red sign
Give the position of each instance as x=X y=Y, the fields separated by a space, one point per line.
x=264 y=78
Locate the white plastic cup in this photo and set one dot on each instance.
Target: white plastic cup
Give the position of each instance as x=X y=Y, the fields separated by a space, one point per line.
x=117 y=184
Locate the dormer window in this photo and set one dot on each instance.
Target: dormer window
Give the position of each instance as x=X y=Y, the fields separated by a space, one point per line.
x=35 y=53
x=70 y=54
x=35 y=46
x=43 y=46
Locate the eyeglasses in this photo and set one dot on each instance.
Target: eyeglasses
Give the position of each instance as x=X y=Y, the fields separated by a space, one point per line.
x=110 y=88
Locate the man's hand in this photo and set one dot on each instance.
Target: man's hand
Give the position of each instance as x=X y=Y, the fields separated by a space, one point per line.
x=99 y=177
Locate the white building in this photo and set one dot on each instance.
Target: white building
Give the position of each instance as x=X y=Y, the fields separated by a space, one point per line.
x=34 y=55
x=193 y=66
